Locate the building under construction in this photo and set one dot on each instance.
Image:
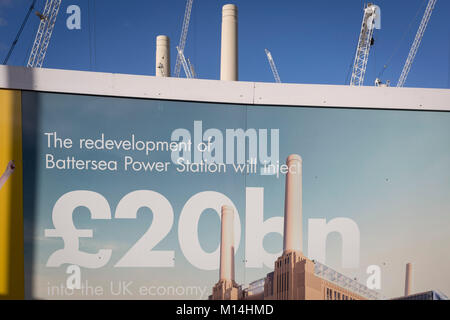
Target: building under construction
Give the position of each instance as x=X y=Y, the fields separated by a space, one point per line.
x=294 y=277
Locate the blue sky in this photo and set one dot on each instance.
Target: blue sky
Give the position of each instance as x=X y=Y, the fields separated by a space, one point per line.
x=389 y=171
x=311 y=41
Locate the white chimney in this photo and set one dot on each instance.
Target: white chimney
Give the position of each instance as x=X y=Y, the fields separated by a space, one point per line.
x=229 y=47
x=293 y=205
x=227 y=245
x=408 y=276
x=162 y=56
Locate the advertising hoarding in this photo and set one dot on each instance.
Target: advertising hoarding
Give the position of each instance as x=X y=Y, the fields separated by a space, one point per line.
x=128 y=192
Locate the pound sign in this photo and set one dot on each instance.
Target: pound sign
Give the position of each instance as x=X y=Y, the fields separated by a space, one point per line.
x=62 y=217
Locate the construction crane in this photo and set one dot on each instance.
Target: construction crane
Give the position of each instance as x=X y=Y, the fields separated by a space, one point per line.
x=187 y=66
x=16 y=39
x=183 y=37
x=371 y=20
x=416 y=43
x=44 y=33
x=273 y=67
x=379 y=83
x=191 y=67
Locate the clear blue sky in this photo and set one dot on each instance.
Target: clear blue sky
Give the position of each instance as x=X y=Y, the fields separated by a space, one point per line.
x=311 y=41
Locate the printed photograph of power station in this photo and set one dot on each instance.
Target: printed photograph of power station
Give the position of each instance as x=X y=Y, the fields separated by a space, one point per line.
x=295 y=277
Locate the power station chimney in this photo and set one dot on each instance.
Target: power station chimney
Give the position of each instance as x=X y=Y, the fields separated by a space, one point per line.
x=162 y=56
x=229 y=47
x=293 y=205
x=227 y=245
x=408 y=276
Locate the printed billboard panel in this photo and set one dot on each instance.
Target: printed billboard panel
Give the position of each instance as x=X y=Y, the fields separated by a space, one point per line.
x=123 y=197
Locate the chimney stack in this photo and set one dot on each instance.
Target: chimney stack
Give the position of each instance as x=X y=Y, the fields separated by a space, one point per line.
x=227 y=245
x=292 y=240
x=408 y=276
x=229 y=47
x=162 y=56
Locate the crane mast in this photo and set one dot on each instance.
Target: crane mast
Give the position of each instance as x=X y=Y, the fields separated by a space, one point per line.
x=44 y=33
x=416 y=43
x=191 y=68
x=371 y=21
x=273 y=67
x=184 y=63
x=183 y=37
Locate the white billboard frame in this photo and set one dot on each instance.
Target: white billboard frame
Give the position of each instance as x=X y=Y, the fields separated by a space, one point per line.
x=229 y=92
